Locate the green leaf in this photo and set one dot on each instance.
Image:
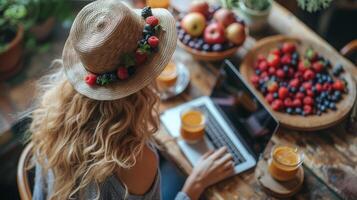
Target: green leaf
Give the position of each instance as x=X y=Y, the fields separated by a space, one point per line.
x=145 y=48
x=313 y=5
x=128 y=60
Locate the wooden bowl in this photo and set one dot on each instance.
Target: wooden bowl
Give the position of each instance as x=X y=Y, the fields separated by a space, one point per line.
x=305 y=123
x=208 y=56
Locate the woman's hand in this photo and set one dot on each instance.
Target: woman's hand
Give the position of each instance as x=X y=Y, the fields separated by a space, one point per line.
x=210 y=169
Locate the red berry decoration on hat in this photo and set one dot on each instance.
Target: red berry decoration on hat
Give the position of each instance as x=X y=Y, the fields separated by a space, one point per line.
x=298 y=84
x=130 y=61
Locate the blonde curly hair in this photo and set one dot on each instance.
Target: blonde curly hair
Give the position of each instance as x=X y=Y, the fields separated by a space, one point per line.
x=84 y=140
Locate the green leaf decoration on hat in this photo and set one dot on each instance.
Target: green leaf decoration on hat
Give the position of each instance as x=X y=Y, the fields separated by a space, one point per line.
x=145 y=48
x=128 y=60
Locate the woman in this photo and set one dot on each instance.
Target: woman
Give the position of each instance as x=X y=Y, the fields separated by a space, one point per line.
x=92 y=132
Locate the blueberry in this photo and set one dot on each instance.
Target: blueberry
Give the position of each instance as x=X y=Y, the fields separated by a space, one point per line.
x=337 y=94
x=131 y=70
x=186 y=39
x=178 y=26
x=264 y=90
x=332 y=106
x=302 y=89
x=329 y=79
x=293 y=90
x=191 y=44
x=261 y=82
x=314 y=90
x=181 y=36
x=298 y=110
x=206 y=47
x=318 y=75
x=318 y=112
x=323 y=108
x=323 y=95
x=285 y=68
x=289 y=110
x=295 y=55
x=197 y=46
x=257 y=72
x=113 y=76
x=318 y=99
x=273 y=78
x=326 y=103
x=200 y=41
x=217 y=47
x=275 y=95
x=294 y=62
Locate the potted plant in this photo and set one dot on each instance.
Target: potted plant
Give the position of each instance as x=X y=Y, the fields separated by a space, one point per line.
x=256 y=12
x=11 y=37
x=43 y=16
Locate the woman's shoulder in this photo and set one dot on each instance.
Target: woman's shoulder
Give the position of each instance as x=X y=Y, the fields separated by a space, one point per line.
x=140 y=178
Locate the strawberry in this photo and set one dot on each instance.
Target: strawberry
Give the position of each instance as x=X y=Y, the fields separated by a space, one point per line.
x=153 y=41
x=283 y=92
x=327 y=87
x=269 y=97
x=273 y=60
x=300 y=95
x=296 y=103
x=309 y=74
x=263 y=66
x=280 y=73
x=140 y=57
x=307 y=85
x=288 y=47
x=307 y=109
x=294 y=83
x=90 y=79
x=318 y=87
x=277 y=104
x=152 y=21
x=318 y=66
x=271 y=70
x=309 y=93
x=288 y=102
x=272 y=86
x=255 y=80
x=304 y=65
x=308 y=101
x=276 y=51
x=122 y=73
x=286 y=59
x=339 y=85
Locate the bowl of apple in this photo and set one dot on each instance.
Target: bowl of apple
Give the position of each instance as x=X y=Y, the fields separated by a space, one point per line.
x=210 y=33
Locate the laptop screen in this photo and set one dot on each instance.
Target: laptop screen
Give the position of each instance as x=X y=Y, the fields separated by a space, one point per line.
x=252 y=122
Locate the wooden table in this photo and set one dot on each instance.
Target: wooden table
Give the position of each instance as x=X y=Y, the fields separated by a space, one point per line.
x=330 y=155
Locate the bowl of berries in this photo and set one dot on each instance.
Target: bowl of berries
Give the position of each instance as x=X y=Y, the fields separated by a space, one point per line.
x=210 y=33
x=302 y=83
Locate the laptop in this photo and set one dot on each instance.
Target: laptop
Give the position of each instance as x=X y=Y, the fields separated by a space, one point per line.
x=235 y=118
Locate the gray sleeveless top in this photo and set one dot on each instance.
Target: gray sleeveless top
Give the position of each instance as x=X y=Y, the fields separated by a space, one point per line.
x=110 y=189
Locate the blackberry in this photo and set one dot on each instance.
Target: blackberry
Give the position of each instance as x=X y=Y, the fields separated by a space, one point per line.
x=146 y=12
x=131 y=70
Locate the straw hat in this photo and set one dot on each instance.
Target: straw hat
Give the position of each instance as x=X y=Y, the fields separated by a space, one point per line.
x=101 y=33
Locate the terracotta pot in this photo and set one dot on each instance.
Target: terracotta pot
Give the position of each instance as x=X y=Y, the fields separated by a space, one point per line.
x=10 y=59
x=43 y=30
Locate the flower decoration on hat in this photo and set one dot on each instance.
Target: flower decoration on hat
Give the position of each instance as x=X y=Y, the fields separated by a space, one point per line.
x=129 y=61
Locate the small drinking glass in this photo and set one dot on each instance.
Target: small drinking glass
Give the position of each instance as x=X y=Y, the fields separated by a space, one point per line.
x=285 y=162
x=192 y=124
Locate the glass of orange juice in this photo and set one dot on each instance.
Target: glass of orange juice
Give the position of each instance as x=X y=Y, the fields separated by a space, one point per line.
x=192 y=124
x=285 y=162
x=158 y=3
x=168 y=76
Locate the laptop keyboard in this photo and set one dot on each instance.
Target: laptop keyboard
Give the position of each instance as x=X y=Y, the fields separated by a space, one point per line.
x=217 y=136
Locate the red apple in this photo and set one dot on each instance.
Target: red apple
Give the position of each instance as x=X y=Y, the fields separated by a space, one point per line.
x=235 y=33
x=194 y=24
x=200 y=7
x=224 y=17
x=214 y=34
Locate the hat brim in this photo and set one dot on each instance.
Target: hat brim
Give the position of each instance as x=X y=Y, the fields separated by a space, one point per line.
x=144 y=75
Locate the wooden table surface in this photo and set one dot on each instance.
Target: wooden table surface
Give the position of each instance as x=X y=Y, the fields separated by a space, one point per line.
x=330 y=155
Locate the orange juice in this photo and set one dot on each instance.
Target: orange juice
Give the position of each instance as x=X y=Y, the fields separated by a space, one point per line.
x=285 y=163
x=168 y=76
x=158 y=3
x=192 y=125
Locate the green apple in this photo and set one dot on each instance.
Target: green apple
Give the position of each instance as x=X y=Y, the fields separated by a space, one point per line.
x=194 y=24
